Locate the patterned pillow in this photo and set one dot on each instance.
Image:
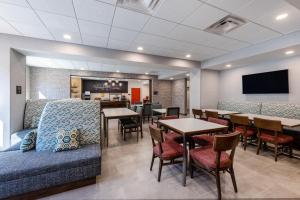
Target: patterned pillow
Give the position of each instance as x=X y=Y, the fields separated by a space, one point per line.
x=35 y=122
x=28 y=141
x=67 y=140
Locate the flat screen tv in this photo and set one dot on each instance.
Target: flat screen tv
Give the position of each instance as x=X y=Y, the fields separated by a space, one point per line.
x=274 y=82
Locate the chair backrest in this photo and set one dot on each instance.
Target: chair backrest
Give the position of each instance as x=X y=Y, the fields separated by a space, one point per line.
x=197 y=113
x=156 y=137
x=169 y=117
x=239 y=120
x=266 y=124
x=225 y=143
x=211 y=114
x=219 y=121
x=147 y=109
x=173 y=111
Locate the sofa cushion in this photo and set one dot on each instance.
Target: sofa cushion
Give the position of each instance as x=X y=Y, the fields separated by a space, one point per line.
x=67 y=140
x=242 y=107
x=33 y=112
x=18 y=165
x=281 y=110
x=69 y=114
x=28 y=141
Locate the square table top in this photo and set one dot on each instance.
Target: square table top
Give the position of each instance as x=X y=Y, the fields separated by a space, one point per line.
x=190 y=126
x=160 y=110
x=118 y=112
x=221 y=112
x=284 y=121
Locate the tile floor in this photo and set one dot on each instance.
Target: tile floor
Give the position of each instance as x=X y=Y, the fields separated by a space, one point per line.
x=126 y=175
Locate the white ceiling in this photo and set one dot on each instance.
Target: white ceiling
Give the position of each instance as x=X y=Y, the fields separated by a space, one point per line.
x=162 y=73
x=174 y=29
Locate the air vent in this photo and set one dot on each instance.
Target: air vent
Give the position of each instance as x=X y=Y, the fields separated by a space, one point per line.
x=145 y=6
x=226 y=25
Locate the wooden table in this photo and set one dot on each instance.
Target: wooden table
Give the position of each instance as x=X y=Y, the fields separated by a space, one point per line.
x=188 y=127
x=116 y=113
x=284 y=121
x=221 y=112
x=161 y=111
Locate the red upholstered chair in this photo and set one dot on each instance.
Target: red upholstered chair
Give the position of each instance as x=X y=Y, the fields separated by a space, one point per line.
x=215 y=158
x=198 y=114
x=164 y=150
x=211 y=114
x=271 y=131
x=207 y=140
x=242 y=125
x=171 y=135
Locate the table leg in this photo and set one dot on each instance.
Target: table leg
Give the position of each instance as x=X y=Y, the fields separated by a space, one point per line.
x=184 y=164
x=106 y=132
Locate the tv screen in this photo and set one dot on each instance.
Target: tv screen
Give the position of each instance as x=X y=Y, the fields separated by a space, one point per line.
x=266 y=83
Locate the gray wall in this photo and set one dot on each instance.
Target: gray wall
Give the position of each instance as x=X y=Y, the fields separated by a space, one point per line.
x=209 y=88
x=178 y=94
x=165 y=93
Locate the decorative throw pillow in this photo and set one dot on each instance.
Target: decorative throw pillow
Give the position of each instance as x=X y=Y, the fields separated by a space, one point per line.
x=35 y=122
x=67 y=140
x=28 y=141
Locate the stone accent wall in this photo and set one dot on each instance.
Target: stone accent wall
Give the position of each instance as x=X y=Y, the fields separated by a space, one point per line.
x=164 y=93
x=178 y=94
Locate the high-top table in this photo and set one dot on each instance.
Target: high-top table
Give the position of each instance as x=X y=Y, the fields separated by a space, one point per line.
x=116 y=113
x=284 y=121
x=188 y=127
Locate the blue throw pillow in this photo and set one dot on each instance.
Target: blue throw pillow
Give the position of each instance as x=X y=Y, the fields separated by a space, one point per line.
x=67 y=140
x=28 y=141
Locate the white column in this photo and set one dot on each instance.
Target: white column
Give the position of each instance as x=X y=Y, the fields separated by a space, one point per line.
x=195 y=81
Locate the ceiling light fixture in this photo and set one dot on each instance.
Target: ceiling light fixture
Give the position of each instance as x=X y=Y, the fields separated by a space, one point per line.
x=81 y=68
x=289 y=52
x=146 y=73
x=118 y=71
x=171 y=78
x=187 y=74
x=140 y=48
x=188 y=55
x=67 y=37
x=282 y=16
x=228 y=65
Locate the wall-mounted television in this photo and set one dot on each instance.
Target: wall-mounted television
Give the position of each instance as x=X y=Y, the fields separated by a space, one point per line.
x=274 y=82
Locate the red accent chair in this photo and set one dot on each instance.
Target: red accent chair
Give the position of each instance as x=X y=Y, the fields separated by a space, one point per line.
x=207 y=140
x=242 y=125
x=271 y=131
x=215 y=158
x=164 y=150
x=171 y=135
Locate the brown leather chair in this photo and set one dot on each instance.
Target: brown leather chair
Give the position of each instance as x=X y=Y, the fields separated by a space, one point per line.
x=243 y=126
x=164 y=150
x=271 y=131
x=198 y=114
x=215 y=159
x=211 y=114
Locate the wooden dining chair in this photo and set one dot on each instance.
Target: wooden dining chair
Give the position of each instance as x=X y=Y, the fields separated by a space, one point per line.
x=198 y=114
x=243 y=126
x=171 y=135
x=271 y=131
x=167 y=151
x=211 y=114
x=215 y=159
x=173 y=111
x=206 y=140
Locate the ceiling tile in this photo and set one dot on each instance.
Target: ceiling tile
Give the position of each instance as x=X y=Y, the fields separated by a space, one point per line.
x=176 y=10
x=94 y=11
x=120 y=45
x=122 y=34
x=6 y=28
x=129 y=19
x=158 y=26
x=204 y=16
x=94 y=40
x=229 y=5
x=94 y=66
x=92 y=28
x=60 y=22
x=16 y=2
x=62 y=7
x=113 y=2
x=36 y=31
x=18 y=14
x=245 y=33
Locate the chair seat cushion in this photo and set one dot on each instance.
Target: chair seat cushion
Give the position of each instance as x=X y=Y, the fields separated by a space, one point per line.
x=171 y=150
x=250 y=131
x=172 y=136
x=207 y=158
x=204 y=140
x=281 y=138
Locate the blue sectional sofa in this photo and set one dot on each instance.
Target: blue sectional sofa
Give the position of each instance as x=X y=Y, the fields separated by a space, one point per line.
x=41 y=172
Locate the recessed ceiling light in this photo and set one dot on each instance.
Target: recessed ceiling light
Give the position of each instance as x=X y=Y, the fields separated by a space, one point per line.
x=289 y=52
x=81 y=68
x=67 y=37
x=171 y=78
x=118 y=71
x=140 y=48
x=146 y=73
x=187 y=74
x=281 y=16
x=228 y=65
x=188 y=55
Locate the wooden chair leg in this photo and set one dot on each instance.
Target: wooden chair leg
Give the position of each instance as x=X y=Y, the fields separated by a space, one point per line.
x=159 y=170
x=233 y=179
x=276 y=152
x=191 y=167
x=245 y=143
x=152 y=161
x=124 y=134
x=258 y=146
x=218 y=181
x=291 y=150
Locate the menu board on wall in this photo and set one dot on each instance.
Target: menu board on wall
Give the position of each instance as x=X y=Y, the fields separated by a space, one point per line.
x=103 y=86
